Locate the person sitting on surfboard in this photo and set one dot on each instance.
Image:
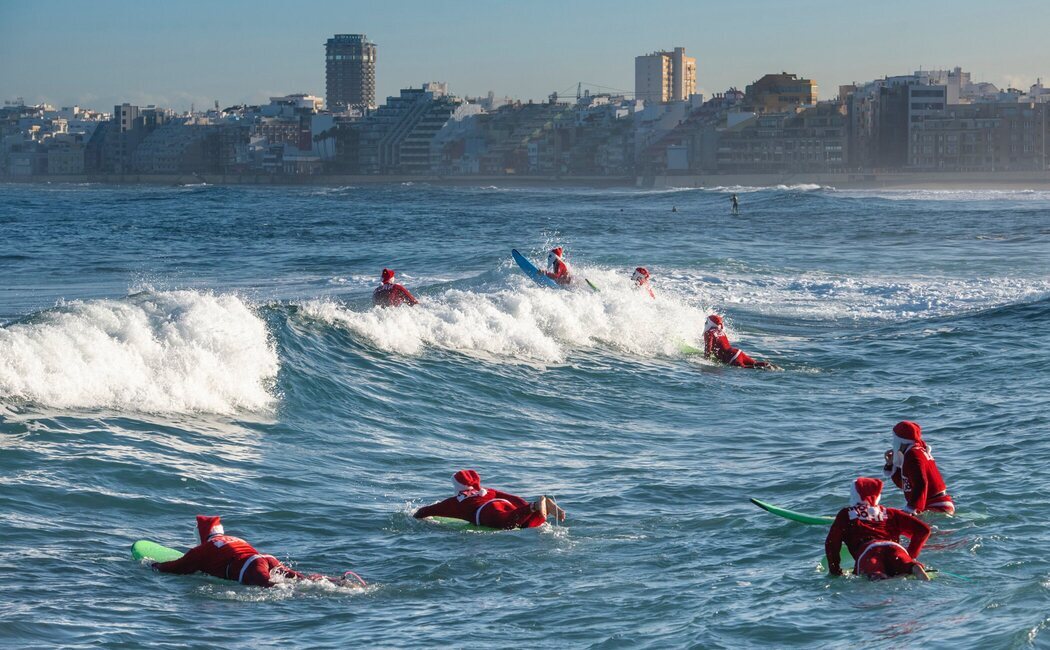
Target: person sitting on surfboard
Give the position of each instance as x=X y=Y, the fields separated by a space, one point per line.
x=391 y=294
x=717 y=347
x=232 y=558
x=490 y=508
x=872 y=533
x=911 y=468
x=557 y=268
x=641 y=278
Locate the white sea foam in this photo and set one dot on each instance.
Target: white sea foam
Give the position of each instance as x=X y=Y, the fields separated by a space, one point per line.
x=528 y=322
x=947 y=195
x=158 y=352
x=825 y=296
x=747 y=189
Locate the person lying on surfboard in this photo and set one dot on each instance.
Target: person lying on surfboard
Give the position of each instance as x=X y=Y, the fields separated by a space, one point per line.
x=872 y=533
x=641 y=279
x=490 y=508
x=391 y=294
x=911 y=468
x=557 y=268
x=232 y=558
x=717 y=347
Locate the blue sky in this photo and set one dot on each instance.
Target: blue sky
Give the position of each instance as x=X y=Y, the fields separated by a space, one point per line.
x=102 y=52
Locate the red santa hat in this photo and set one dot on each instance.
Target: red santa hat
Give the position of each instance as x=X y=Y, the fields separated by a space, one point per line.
x=208 y=527
x=866 y=490
x=466 y=480
x=714 y=321
x=906 y=433
x=388 y=275
x=640 y=275
x=556 y=251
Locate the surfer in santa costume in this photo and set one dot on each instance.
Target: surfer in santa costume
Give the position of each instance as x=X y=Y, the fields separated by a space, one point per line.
x=872 y=534
x=390 y=293
x=232 y=558
x=557 y=268
x=717 y=347
x=911 y=468
x=641 y=280
x=489 y=507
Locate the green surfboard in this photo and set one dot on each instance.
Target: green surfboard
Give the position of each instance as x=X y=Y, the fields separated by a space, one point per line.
x=814 y=520
x=845 y=560
x=460 y=524
x=685 y=348
x=154 y=551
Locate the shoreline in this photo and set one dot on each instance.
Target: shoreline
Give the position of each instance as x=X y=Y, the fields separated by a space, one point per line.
x=1030 y=180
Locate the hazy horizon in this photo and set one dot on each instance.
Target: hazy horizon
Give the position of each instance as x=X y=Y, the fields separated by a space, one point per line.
x=114 y=51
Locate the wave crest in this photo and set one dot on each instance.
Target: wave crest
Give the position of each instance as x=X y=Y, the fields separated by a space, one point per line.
x=158 y=352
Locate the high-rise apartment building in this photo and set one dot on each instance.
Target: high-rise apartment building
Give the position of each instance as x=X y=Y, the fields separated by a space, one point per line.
x=350 y=72
x=665 y=76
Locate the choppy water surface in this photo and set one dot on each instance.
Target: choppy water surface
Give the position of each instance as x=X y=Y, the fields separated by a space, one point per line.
x=172 y=351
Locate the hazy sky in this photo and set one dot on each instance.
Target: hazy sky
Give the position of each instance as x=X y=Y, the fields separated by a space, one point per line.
x=102 y=52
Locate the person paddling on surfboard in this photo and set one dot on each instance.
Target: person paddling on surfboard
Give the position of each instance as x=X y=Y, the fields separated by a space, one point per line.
x=490 y=508
x=232 y=558
x=391 y=294
x=641 y=279
x=557 y=268
x=872 y=533
x=911 y=468
x=717 y=347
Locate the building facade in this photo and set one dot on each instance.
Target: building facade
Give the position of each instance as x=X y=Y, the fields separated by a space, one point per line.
x=350 y=72
x=1007 y=136
x=777 y=93
x=665 y=76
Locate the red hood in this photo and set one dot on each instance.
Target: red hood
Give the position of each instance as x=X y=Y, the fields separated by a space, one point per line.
x=206 y=526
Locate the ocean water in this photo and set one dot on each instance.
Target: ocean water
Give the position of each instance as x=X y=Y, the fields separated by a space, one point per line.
x=169 y=351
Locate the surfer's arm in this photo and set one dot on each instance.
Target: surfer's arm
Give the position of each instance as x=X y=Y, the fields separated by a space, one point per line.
x=833 y=542
x=408 y=295
x=191 y=562
x=916 y=530
x=447 y=508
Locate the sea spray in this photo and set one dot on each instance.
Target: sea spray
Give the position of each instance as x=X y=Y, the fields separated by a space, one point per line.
x=162 y=352
x=529 y=323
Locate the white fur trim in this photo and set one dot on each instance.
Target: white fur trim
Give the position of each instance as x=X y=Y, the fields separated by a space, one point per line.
x=710 y=325
x=216 y=530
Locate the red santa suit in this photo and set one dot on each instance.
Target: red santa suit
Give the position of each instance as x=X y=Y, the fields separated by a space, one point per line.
x=641 y=278
x=717 y=346
x=557 y=269
x=483 y=506
x=391 y=294
x=872 y=534
x=224 y=556
x=915 y=472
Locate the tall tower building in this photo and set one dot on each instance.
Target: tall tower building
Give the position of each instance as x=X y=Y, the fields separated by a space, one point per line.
x=665 y=76
x=350 y=72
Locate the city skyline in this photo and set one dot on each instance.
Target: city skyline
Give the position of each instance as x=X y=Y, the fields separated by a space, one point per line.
x=115 y=51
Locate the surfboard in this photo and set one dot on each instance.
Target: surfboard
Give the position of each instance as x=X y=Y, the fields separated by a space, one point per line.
x=460 y=524
x=538 y=276
x=685 y=348
x=592 y=286
x=154 y=551
x=815 y=520
x=845 y=560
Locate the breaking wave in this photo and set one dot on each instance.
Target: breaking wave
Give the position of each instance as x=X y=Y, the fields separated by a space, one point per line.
x=157 y=352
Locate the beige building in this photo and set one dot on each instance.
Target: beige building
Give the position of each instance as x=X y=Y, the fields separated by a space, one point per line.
x=664 y=76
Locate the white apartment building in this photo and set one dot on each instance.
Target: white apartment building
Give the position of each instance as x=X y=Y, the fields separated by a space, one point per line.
x=664 y=76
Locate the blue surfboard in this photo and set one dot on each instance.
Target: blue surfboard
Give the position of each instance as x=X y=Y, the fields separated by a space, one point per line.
x=538 y=276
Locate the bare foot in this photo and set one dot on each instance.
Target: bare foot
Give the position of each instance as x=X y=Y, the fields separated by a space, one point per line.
x=919 y=572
